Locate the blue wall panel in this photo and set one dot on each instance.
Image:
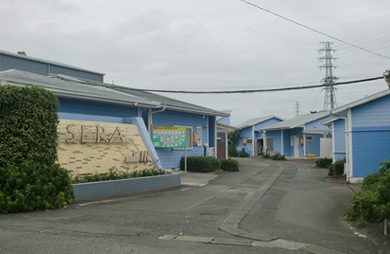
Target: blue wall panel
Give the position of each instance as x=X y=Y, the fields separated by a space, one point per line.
x=95 y=111
x=339 y=139
x=316 y=126
x=267 y=123
x=211 y=130
x=374 y=113
x=276 y=135
x=170 y=158
x=369 y=149
x=313 y=147
x=224 y=120
x=287 y=143
x=246 y=133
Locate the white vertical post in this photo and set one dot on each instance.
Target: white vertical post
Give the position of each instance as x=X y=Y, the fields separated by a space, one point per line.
x=281 y=136
x=226 y=145
x=253 y=140
x=185 y=159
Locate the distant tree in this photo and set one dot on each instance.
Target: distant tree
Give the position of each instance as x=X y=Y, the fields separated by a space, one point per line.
x=233 y=140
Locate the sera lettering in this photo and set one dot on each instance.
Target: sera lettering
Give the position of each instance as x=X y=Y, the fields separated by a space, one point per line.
x=100 y=131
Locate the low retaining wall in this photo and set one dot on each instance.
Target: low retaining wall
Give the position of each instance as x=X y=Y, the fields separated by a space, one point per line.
x=94 y=190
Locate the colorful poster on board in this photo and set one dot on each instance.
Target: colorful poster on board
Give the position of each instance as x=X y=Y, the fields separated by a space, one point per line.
x=175 y=137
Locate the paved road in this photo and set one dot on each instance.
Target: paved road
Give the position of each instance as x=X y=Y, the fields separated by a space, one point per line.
x=267 y=207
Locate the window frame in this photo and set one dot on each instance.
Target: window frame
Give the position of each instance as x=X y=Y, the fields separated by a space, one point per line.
x=188 y=136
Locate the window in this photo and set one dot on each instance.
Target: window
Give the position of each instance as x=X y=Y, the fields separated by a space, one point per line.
x=309 y=138
x=292 y=141
x=198 y=136
x=270 y=144
x=249 y=141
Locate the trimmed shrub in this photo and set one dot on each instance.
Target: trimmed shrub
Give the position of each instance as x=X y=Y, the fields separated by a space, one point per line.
x=337 y=168
x=200 y=164
x=244 y=154
x=323 y=162
x=28 y=125
x=372 y=203
x=229 y=165
x=232 y=151
x=279 y=157
x=30 y=186
x=267 y=155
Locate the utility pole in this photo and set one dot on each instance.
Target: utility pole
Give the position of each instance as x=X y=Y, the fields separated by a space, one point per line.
x=330 y=90
x=297 y=108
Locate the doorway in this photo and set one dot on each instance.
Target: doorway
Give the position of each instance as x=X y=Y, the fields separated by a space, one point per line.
x=259 y=146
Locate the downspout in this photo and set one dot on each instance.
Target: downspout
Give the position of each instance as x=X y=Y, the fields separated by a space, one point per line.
x=281 y=136
x=226 y=145
x=150 y=118
x=253 y=140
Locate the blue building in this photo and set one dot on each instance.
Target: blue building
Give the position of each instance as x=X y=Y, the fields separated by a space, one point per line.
x=362 y=134
x=299 y=136
x=251 y=140
x=20 y=61
x=83 y=96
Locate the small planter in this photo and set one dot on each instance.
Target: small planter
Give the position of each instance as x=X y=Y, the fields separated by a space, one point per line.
x=94 y=190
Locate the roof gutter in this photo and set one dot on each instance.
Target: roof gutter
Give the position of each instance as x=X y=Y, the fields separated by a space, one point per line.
x=61 y=93
x=386 y=75
x=199 y=111
x=150 y=118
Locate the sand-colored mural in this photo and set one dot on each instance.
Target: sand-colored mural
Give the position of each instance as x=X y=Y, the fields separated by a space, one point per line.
x=95 y=147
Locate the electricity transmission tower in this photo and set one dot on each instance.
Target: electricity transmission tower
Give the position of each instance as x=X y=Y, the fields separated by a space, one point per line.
x=330 y=90
x=297 y=108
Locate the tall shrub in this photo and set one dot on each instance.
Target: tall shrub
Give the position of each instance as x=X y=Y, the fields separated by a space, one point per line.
x=30 y=186
x=28 y=125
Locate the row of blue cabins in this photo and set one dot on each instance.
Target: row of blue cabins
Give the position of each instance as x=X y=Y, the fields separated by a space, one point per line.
x=358 y=131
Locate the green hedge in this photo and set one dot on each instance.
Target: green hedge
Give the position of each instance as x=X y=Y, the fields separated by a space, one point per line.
x=243 y=154
x=30 y=186
x=323 y=162
x=279 y=157
x=229 y=165
x=372 y=203
x=28 y=125
x=200 y=164
x=337 y=169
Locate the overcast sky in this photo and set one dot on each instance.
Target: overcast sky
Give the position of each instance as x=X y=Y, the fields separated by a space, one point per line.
x=208 y=45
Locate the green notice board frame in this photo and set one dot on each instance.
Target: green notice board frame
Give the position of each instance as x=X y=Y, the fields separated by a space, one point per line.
x=169 y=137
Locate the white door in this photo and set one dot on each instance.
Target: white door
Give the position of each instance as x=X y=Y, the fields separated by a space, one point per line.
x=296 y=146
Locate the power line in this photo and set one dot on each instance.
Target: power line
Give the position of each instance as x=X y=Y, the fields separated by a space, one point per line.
x=258 y=90
x=312 y=29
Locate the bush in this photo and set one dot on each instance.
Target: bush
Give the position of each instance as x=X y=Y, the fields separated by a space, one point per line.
x=279 y=157
x=372 y=203
x=200 y=164
x=229 y=165
x=28 y=125
x=32 y=187
x=244 y=154
x=362 y=208
x=114 y=174
x=267 y=155
x=323 y=162
x=232 y=151
x=337 y=168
